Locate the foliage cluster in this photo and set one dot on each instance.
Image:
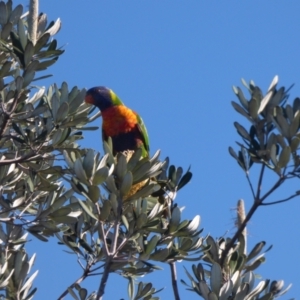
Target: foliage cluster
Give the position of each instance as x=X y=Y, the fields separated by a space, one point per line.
x=117 y=214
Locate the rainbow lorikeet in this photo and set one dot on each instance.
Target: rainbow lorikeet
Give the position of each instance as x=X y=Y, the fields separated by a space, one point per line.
x=125 y=127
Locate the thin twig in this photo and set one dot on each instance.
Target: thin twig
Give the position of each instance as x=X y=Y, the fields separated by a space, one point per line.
x=104 y=278
x=112 y=253
x=276 y=186
x=174 y=280
x=259 y=183
x=250 y=184
x=281 y=201
x=84 y=275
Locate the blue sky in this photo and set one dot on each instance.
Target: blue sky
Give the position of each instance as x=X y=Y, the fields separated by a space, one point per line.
x=175 y=62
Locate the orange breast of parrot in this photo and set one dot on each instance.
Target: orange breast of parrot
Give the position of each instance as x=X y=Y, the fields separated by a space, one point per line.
x=118 y=119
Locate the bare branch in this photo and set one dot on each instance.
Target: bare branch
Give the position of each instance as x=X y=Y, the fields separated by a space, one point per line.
x=281 y=201
x=256 y=199
x=174 y=280
x=250 y=184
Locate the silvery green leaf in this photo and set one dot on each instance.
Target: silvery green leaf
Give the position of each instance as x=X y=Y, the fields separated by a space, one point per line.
x=216 y=278
x=126 y=183
x=236 y=281
x=186 y=244
x=146 y=289
x=42 y=22
x=56 y=137
x=155 y=211
x=5 y=282
x=22 y=34
x=5 y=68
x=281 y=124
x=152 y=244
x=240 y=96
x=62 y=112
x=141 y=220
x=295 y=144
x=284 y=157
x=140 y=170
x=259 y=288
x=3 y=14
x=204 y=289
x=16 y=14
x=273 y=83
x=28 y=77
x=6 y=31
x=289 y=113
x=183 y=225
x=100 y=176
x=212 y=296
x=72 y=293
x=255 y=264
x=242 y=292
x=155 y=157
x=193 y=226
x=277 y=97
x=54 y=28
x=29 y=281
x=249 y=278
x=253 y=108
x=18 y=202
x=87 y=209
x=110 y=183
x=242 y=131
x=121 y=166
x=41 y=42
x=68 y=159
x=89 y=162
x=233 y=154
x=175 y=219
x=273 y=154
x=105 y=210
x=285 y=290
x=28 y=53
x=77 y=101
x=226 y=290
x=19 y=83
x=265 y=102
x=83 y=294
x=94 y=193
x=293 y=129
x=160 y=255
x=79 y=171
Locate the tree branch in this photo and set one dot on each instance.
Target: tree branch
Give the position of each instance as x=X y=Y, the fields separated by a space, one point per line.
x=259 y=183
x=84 y=275
x=257 y=202
x=281 y=201
x=113 y=251
x=174 y=280
x=250 y=184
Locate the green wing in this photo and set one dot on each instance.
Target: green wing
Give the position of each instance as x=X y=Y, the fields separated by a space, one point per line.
x=143 y=130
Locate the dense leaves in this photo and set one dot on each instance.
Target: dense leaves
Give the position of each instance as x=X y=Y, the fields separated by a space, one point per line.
x=116 y=213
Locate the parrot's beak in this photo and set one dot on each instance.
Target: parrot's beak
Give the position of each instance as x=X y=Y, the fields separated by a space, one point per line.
x=89 y=99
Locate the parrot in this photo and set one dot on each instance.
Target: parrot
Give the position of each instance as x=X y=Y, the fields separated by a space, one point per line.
x=125 y=127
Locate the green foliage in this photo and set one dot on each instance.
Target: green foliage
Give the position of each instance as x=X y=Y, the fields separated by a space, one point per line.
x=115 y=213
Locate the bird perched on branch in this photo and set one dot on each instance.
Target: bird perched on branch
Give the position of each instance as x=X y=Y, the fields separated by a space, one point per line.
x=125 y=127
